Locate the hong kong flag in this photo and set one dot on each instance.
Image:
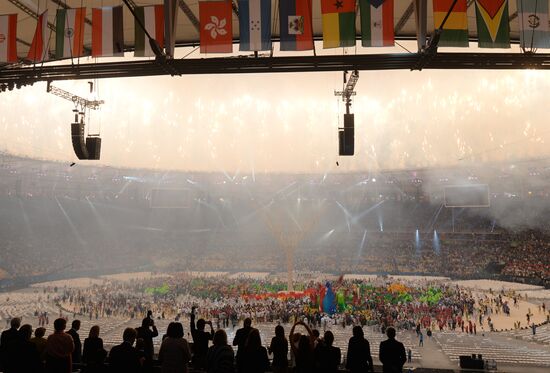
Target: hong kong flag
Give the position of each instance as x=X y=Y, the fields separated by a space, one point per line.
x=216 y=27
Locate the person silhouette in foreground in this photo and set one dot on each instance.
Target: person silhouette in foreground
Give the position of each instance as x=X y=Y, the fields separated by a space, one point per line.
x=59 y=349
x=392 y=353
x=200 y=340
x=240 y=340
x=359 y=357
x=124 y=357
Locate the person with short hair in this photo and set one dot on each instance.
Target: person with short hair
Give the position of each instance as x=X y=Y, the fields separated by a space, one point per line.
x=39 y=341
x=124 y=357
x=327 y=357
x=24 y=354
x=147 y=331
x=220 y=356
x=59 y=349
x=359 y=358
x=200 y=340
x=6 y=339
x=174 y=353
x=392 y=353
x=73 y=332
x=240 y=340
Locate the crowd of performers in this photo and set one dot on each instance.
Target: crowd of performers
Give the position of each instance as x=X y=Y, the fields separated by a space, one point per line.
x=433 y=306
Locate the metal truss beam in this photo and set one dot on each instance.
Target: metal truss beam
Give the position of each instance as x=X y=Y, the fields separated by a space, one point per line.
x=20 y=76
x=189 y=13
x=404 y=18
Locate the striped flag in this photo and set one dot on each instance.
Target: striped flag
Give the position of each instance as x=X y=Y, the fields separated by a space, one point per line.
x=533 y=24
x=216 y=22
x=107 y=32
x=295 y=25
x=255 y=25
x=69 y=32
x=455 y=30
x=376 y=23
x=8 y=38
x=152 y=17
x=493 y=29
x=338 y=23
x=40 y=42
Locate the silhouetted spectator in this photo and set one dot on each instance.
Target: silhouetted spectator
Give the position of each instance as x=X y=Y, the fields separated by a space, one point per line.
x=94 y=354
x=327 y=357
x=220 y=355
x=147 y=331
x=279 y=349
x=39 y=341
x=59 y=349
x=73 y=332
x=303 y=352
x=24 y=354
x=254 y=357
x=240 y=340
x=124 y=357
x=200 y=340
x=359 y=358
x=7 y=338
x=392 y=353
x=174 y=353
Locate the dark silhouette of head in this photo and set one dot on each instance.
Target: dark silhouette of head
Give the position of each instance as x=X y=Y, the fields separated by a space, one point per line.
x=247 y=322
x=329 y=338
x=15 y=323
x=279 y=331
x=390 y=332
x=315 y=333
x=201 y=323
x=59 y=325
x=94 y=331
x=40 y=332
x=175 y=330
x=220 y=338
x=146 y=322
x=129 y=335
x=304 y=345
x=358 y=332
x=25 y=332
x=75 y=325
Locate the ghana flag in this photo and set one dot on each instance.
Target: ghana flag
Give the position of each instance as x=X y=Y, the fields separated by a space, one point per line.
x=455 y=30
x=338 y=23
x=493 y=28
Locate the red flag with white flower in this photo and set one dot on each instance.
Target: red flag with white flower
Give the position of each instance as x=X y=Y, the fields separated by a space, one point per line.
x=216 y=27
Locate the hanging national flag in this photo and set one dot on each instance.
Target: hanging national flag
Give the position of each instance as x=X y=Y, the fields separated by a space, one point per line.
x=338 y=23
x=152 y=17
x=376 y=23
x=39 y=50
x=295 y=25
x=69 y=32
x=107 y=32
x=216 y=25
x=8 y=38
x=493 y=30
x=455 y=30
x=533 y=24
x=255 y=25
x=170 y=24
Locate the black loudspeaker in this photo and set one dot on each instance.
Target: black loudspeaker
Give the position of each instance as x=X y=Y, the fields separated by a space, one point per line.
x=346 y=136
x=79 y=143
x=93 y=145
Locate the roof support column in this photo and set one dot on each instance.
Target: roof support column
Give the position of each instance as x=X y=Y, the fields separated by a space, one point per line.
x=421 y=17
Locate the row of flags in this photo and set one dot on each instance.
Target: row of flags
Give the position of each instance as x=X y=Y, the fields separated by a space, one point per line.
x=255 y=26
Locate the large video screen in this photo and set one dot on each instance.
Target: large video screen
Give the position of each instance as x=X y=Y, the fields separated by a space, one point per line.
x=467 y=195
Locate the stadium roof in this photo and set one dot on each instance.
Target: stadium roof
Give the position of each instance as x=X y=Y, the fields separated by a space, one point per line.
x=187 y=34
x=187 y=26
